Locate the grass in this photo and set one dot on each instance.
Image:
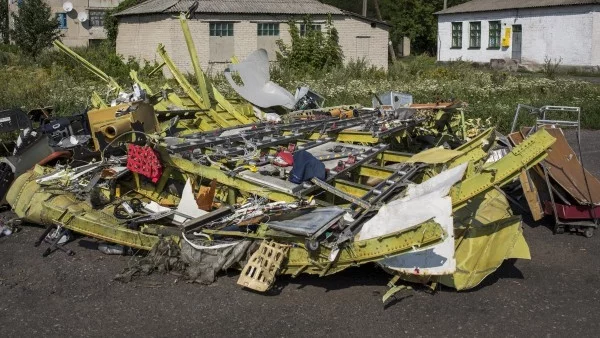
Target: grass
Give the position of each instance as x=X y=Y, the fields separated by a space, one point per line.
x=55 y=80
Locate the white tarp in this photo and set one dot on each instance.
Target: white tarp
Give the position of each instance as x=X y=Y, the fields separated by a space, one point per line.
x=421 y=203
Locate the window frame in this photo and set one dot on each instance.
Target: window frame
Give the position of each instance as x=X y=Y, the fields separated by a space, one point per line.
x=62 y=20
x=315 y=27
x=495 y=34
x=475 y=35
x=267 y=29
x=217 y=28
x=457 y=30
x=92 y=17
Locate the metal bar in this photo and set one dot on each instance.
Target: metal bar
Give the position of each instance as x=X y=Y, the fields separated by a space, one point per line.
x=394 y=156
x=183 y=82
x=361 y=159
x=374 y=171
x=189 y=41
x=159 y=67
x=212 y=173
x=198 y=222
x=95 y=70
x=340 y=193
x=351 y=188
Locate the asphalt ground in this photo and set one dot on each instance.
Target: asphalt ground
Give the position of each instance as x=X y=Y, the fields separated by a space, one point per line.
x=554 y=294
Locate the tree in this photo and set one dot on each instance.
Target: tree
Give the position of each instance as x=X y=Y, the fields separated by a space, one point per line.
x=34 y=27
x=412 y=18
x=4 y=21
x=313 y=48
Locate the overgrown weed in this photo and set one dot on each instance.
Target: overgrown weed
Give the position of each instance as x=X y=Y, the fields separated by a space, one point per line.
x=56 y=80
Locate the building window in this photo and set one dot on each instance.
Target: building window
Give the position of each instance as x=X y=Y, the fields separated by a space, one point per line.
x=268 y=29
x=221 y=28
x=495 y=33
x=457 y=34
x=96 y=18
x=304 y=30
x=62 y=20
x=475 y=34
x=95 y=42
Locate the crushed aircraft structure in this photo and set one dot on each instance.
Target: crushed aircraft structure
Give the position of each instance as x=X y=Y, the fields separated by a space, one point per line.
x=205 y=183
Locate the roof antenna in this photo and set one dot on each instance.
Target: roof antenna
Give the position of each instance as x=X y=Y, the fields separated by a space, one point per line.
x=192 y=10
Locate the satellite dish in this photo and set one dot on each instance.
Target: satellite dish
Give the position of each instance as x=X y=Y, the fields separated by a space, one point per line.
x=82 y=16
x=68 y=6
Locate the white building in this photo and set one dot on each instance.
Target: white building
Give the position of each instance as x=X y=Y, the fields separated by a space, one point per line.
x=81 y=21
x=225 y=28
x=528 y=31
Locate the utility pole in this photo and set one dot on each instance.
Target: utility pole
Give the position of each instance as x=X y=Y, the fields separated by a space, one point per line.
x=390 y=44
x=445 y=4
x=364 y=12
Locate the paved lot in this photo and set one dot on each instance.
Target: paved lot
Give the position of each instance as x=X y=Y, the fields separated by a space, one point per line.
x=554 y=294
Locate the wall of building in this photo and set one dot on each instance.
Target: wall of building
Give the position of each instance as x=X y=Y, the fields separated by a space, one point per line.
x=596 y=39
x=140 y=35
x=77 y=33
x=563 y=32
x=361 y=39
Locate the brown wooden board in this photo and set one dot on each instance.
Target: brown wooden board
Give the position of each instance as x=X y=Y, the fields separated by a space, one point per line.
x=566 y=170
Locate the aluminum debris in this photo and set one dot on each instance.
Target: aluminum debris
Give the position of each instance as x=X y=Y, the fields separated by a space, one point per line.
x=201 y=185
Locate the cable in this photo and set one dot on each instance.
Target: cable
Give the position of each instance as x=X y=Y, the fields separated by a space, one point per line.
x=118 y=137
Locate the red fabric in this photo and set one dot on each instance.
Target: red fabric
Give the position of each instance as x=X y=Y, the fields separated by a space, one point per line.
x=284 y=159
x=144 y=161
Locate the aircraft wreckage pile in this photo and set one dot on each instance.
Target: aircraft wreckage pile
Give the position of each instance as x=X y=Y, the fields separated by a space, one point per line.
x=278 y=184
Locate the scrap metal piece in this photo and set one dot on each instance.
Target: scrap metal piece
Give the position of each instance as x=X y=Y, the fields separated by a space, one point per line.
x=566 y=169
x=58 y=207
x=572 y=212
x=28 y=157
x=428 y=200
x=339 y=193
x=113 y=122
x=487 y=234
x=524 y=156
x=359 y=252
x=200 y=77
x=13 y=120
x=257 y=86
x=264 y=264
x=312 y=224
